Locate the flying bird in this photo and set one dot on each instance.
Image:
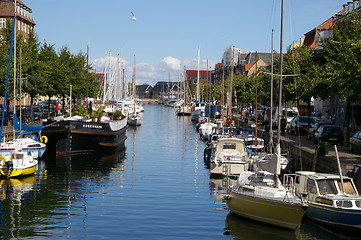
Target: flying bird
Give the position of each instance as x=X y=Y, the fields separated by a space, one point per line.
x=133 y=17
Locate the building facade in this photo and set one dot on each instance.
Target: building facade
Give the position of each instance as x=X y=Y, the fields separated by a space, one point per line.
x=24 y=16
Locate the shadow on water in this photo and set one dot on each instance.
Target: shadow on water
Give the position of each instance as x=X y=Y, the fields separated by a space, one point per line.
x=328 y=232
x=100 y=161
x=242 y=228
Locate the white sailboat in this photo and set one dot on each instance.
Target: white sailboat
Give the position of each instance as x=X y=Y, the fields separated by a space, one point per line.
x=259 y=195
x=135 y=118
x=18 y=161
x=198 y=106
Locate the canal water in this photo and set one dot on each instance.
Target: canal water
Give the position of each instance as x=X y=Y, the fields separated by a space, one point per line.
x=158 y=188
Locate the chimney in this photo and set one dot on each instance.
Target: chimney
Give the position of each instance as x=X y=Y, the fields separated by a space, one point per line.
x=345 y=9
x=350 y=6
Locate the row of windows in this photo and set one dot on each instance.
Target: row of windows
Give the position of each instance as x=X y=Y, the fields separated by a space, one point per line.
x=21 y=26
x=24 y=11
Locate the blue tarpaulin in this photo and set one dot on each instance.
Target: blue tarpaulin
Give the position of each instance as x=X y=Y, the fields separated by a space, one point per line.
x=25 y=127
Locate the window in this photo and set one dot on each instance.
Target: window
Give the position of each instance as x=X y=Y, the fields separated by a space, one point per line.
x=229 y=146
x=2 y=22
x=349 y=189
x=311 y=186
x=327 y=186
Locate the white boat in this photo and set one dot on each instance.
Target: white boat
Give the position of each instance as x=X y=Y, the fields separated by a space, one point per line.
x=27 y=143
x=183 y=110
x=229 y=157
x=135 y=120
x=197 y=109
x=206 y=129
x=17 y=164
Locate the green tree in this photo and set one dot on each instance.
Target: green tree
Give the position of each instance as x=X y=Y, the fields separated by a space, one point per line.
x=341 y=72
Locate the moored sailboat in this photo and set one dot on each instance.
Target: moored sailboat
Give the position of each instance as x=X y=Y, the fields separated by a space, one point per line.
x=260 y=195
x=134 y=118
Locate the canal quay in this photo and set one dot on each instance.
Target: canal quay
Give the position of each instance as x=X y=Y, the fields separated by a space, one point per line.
x=158 y=188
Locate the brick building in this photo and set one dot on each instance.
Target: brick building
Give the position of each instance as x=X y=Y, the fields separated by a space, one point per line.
x=24 y=16
x=204 y=76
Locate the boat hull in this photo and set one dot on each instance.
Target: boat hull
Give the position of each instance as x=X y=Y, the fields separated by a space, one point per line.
x=265 y=210
x=350 y=218
x=17 y=172
x=35 y=152
x=78 y=137
x=232 y=169
x=134 y=121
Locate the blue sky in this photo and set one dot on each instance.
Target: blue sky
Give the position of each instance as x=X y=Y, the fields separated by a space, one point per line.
x=167 y=33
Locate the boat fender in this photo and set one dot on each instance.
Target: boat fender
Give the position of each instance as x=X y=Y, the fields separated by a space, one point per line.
x=227 y=197
x=44 y=139
x=3 y=160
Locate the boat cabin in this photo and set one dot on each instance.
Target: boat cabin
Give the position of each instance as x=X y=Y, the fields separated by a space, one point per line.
x=327 y=189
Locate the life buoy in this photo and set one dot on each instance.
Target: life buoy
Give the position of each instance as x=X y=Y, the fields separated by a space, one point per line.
x=44 y=139
x=3 y=160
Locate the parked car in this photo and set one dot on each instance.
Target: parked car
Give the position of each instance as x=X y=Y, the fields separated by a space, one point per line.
x=329 y=133
x=313 y=129
x=299 y=124
x=355 y=142
x=317 y=116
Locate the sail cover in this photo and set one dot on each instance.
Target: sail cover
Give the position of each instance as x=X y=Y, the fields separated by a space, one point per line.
x=25 y=127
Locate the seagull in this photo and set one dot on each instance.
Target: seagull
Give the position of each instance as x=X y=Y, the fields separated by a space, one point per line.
x=133 y=17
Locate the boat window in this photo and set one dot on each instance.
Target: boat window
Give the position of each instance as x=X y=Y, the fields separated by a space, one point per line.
x=345 y=204
x=34 y=145
x=327 y=186
x=311 y=186
x=358 y=203
x=229 y=146
x=297 y=179
x=348 y=186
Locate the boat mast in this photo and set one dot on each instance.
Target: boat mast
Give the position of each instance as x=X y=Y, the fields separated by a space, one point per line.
x=256 y=113
x=134 y=88
x=8 y=74
x=230 y=88
x=271 y=112
x=222 y=92
x=278 y=145
x=185 y=88
x=14 y=107
x=198 y=81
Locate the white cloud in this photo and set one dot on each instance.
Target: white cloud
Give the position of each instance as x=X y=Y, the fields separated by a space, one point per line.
x=152 y=73
x=170 y=64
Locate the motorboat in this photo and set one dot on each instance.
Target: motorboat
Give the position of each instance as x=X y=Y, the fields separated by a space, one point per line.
x=206 y=129
x=229 y=157
x=332 y=199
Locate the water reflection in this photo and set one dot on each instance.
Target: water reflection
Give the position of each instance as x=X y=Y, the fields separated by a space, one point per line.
x=219 y=187
x=94 y=161
x=13 y=205
x=242 y=228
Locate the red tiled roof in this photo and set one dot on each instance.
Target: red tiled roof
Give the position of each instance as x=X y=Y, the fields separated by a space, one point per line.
x=247 y=67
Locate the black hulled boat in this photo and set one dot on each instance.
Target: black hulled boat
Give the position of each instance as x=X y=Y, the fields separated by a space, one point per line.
x=79 y=136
